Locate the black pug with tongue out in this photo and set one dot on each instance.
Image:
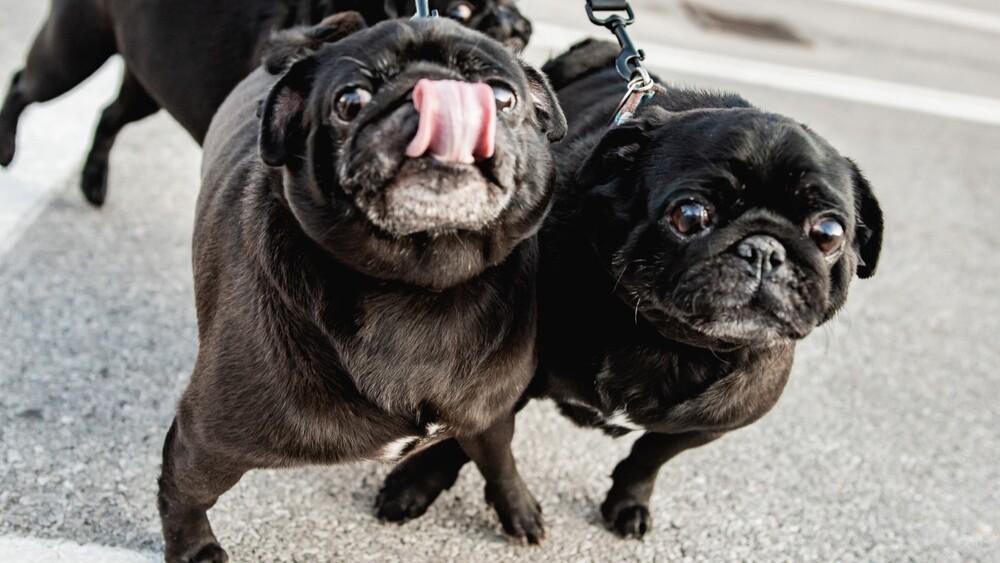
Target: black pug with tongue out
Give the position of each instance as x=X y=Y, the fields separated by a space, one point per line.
x=364 y=261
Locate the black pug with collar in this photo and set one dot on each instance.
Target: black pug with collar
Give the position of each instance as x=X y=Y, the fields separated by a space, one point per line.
x=687 y=251
x=185 y=56
x=364 y=261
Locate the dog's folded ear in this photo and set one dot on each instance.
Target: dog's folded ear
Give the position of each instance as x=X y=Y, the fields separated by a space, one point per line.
x=868 y=233
x=288 y=46
x=547 y=108
x=614 y=155
x=281 y=129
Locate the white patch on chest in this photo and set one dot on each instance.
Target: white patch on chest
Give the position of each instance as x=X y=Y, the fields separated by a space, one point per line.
x=620 y=419
x=400 y=447
x=433 y=429
x=395 y=449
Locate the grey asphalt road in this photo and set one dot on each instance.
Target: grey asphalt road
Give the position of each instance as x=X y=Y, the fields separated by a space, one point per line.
x=884 y=447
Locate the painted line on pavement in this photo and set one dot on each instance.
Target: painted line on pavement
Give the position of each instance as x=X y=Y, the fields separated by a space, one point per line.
x=52 y=139
x=31 y=550
x=931 y=101
x=938 y=12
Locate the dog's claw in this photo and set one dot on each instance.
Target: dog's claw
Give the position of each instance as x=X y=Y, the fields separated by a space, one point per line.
x=521 y=518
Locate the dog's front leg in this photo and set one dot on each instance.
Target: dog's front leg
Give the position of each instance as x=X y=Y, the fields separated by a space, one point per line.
x=418 y=480
x=626 y=507
x=519 y=512
x=190 y=483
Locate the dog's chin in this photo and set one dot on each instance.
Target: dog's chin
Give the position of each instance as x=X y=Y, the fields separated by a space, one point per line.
x=432 y=197
x=734 y=327
x=515 y=44
x=749 y=328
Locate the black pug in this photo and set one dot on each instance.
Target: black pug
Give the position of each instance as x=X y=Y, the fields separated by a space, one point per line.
x=186 y=56
x=364 y=262
x=687 y=250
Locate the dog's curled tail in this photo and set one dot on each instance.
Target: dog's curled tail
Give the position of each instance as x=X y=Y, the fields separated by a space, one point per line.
x=584 y=58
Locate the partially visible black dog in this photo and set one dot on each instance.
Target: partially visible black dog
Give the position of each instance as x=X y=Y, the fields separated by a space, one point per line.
x=186 y=56
x=687 y=250
x=365 y=263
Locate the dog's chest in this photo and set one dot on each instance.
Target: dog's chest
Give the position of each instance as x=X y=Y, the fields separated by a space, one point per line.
x=439 y=355
x=638 y=390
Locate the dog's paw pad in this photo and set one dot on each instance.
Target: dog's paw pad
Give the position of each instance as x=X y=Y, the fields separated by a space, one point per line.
x=632 y=521
x=211 y=553
x=401 y=500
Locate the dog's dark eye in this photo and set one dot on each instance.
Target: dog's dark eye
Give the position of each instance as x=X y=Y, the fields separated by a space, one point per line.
x=690 y=217
x=506 y=99
x=460 y=12
x=351 y=102
x=828 y=234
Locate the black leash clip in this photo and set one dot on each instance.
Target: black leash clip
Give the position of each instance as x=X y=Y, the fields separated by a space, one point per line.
x=629 y=62
x=424 y=10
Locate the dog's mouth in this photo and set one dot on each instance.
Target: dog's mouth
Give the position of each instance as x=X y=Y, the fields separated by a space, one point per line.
x=718 y=303
x=724 y=303
x=445 y=182
x=430 y=196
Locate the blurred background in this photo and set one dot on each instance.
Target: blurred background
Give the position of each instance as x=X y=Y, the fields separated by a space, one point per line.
x=885 y=446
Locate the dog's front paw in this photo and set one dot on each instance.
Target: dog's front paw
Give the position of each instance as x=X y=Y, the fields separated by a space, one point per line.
x=403 y=498
x=94 y=182
x=7 y=147
x=208 y=553
x=628 y=518
x=211 y=553
x=520 y=515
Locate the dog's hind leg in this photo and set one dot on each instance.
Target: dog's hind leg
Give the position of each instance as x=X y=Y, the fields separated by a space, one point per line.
x=519 y=512
x=416 y=482
x=74 y=42
x=626 y=507
x=191 y=481
x=132 y=104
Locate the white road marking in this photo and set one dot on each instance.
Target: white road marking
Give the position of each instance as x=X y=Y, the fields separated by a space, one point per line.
x=943 y=103
x=31 y=550
x=939 y=12
x=53 y=138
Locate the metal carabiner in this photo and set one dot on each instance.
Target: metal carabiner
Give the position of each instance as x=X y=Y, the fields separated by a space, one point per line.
x=608 y=22
x=629 y=61
x=424 y=10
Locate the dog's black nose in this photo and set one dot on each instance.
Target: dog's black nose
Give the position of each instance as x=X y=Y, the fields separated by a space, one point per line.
x=763 y=253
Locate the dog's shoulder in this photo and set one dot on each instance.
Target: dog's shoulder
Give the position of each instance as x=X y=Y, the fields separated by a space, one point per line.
x=677 y=99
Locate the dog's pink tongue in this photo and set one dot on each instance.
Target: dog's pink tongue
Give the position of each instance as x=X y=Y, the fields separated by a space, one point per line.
x=457 y=121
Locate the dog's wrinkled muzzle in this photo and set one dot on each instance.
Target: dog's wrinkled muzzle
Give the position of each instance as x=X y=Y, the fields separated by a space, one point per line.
x=457 y=121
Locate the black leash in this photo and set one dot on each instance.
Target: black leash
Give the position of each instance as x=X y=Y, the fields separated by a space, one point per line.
x=641 y=85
